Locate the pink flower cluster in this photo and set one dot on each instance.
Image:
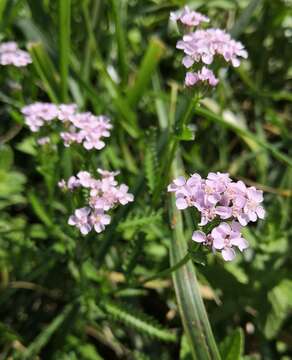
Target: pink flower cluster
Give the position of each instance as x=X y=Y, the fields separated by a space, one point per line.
x=104 y=194
x=188 y=17
x=203 y=45
x=84 y=128
x=10 y=54
x=203 y=75
x=218 y=197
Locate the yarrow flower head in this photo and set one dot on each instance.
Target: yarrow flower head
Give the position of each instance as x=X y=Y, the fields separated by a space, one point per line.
x=103 y=195
x=10 y=54
x=218 y=197
x=81 y=128
x=204 y=75
x=202 y=46
x=188 y=17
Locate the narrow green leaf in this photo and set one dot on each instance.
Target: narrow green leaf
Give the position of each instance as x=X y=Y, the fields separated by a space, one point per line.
x=232 y=346
x=244 y=133
x=128 y=117
x=6 y=157
x=2 y=8
x=116 y=6
x=39 y=210
x=43 y=338
x=244 y=18
x=45 y=69
x=149 y=63
x=64 y=45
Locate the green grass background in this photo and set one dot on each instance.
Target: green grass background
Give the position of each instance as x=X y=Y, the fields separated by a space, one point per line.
x=63 y=296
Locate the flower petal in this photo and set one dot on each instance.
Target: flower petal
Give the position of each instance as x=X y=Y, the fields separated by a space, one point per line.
x=228 y=254
x=199 y=236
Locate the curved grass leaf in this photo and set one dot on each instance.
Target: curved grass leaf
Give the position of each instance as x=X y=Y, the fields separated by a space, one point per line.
x=209 y=115
x=149 y=63
x=43 y=338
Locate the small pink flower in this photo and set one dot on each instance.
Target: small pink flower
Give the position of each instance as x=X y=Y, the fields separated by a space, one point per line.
x=65 y=111
x=43 y=140
x=204 y=75
x=199 y=236
x=252 y=207
x=85 y=179
x=99 y=220
x=62 y=184
x=225 y=237
x=123 y=196
x=7 y=47
x=81 y=220
x=176 y=184
x=10 y=54
x=73 y=183
x=188 y=17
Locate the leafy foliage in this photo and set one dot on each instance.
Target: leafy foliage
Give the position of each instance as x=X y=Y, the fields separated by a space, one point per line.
x=65 y=296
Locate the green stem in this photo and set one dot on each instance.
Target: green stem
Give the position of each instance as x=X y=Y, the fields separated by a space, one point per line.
x=64 y=45
x=172 y=145
x=166 y=272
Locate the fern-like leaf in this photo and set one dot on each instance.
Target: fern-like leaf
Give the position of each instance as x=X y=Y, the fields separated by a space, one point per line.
x=138 y=320
x=139 y=219
x=132 y=255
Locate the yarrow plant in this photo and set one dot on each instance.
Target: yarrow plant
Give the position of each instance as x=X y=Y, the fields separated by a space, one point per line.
x=81 y=128
x=219 y=198
x=103 y=195
x=202 y=46
x=10 y=54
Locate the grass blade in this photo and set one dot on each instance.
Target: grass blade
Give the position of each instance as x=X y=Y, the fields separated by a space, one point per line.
x=121 y=37
x=64 y=45
x=45 y=69
x=209 y=115
x=43 y=338
x=149 y=63
x=245 y=17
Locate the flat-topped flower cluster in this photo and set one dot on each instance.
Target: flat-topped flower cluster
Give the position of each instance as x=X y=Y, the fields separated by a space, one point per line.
x=218 y=197
x=10 y=54
x=203 y=45
x=103 y=195
x=81 y=128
